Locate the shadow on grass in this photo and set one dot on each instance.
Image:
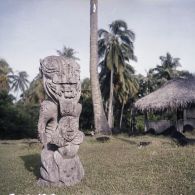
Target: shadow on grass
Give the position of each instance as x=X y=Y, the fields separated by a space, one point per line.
x=191 y=141
x=32 y=163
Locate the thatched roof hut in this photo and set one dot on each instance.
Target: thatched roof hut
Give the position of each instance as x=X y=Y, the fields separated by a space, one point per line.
x=177 y=93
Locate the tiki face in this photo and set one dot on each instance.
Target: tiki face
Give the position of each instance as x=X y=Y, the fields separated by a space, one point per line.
x=68 y=127
x=61 y=78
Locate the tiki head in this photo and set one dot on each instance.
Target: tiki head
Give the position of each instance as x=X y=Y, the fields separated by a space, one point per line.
x=61 y=78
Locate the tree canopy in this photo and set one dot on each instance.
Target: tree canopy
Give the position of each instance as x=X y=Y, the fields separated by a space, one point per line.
x=115 y=49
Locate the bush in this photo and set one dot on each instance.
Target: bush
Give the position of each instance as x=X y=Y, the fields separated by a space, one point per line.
x=86 y=118
x=16 y=120
x=140 y=123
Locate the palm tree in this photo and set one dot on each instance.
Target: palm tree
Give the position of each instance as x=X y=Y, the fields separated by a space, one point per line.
x=115 y=49
x=101 y=124
x=86 y=87
x=151 y=82
x=67 y=52
x=5 y=71
x=167 y=70
x=35 y=93
x=128 y=90
x=87 y=107
x=19 y=82
x=122 y=91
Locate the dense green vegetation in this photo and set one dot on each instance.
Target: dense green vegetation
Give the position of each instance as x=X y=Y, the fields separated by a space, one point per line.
x=116 y=49
x=120 y=86
x=16 y=120
x=120 y=166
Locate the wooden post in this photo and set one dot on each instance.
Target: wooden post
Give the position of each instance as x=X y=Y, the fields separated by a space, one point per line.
x=145 y=121
x=184 y=118
x=184 y=115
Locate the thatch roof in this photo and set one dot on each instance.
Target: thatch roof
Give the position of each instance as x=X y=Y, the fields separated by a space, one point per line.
x=177 y=93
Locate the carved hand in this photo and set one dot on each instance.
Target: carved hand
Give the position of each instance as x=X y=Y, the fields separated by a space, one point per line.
x=43 y=138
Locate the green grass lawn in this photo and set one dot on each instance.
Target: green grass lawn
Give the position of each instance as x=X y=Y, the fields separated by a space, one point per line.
x=119 y=166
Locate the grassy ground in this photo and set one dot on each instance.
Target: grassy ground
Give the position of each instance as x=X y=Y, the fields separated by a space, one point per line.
x=119 y=166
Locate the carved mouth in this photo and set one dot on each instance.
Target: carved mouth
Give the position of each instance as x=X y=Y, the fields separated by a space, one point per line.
x=68 y=97
x=70 y=130
x=68 y=94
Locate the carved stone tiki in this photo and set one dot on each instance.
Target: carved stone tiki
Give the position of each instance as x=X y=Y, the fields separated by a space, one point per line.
x=58 y=125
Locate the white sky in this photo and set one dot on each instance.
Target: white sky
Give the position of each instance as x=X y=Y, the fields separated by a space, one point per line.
x=34 y=29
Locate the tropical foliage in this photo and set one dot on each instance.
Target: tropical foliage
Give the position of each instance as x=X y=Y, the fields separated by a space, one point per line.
x=16 y=120
x=35 y=93
x=119 y=85
x=86 y=117
x=159 y=75
x=167 y=70
x=5 y=72
x=19 y=81
x=115 y=49
x=67 y=52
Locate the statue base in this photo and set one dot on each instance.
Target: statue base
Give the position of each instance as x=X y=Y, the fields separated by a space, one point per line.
x=59 y=170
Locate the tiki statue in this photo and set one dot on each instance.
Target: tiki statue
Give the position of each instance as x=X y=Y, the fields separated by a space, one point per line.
x=58 y=125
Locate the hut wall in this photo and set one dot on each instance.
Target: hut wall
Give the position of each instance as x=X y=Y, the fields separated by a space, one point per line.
x=190 y=113
x=180 y=125
x=190 y=122
x=159 y=126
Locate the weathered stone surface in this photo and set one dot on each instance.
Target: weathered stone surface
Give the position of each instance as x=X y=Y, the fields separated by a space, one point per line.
x=58 y=125
x=49 y=169
x=70 y=170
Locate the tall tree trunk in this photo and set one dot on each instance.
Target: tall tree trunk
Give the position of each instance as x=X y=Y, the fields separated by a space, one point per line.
x=132 y=122
x=106 y=107
x=101 y=123
x=110 y=113
x=121 y=118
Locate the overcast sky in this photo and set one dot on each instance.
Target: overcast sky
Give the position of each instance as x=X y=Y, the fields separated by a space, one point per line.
x=33 y=29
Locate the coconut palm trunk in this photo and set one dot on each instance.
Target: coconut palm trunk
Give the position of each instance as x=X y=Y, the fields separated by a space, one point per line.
x=110 y=109
x=121 y=117
x=101 y=124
